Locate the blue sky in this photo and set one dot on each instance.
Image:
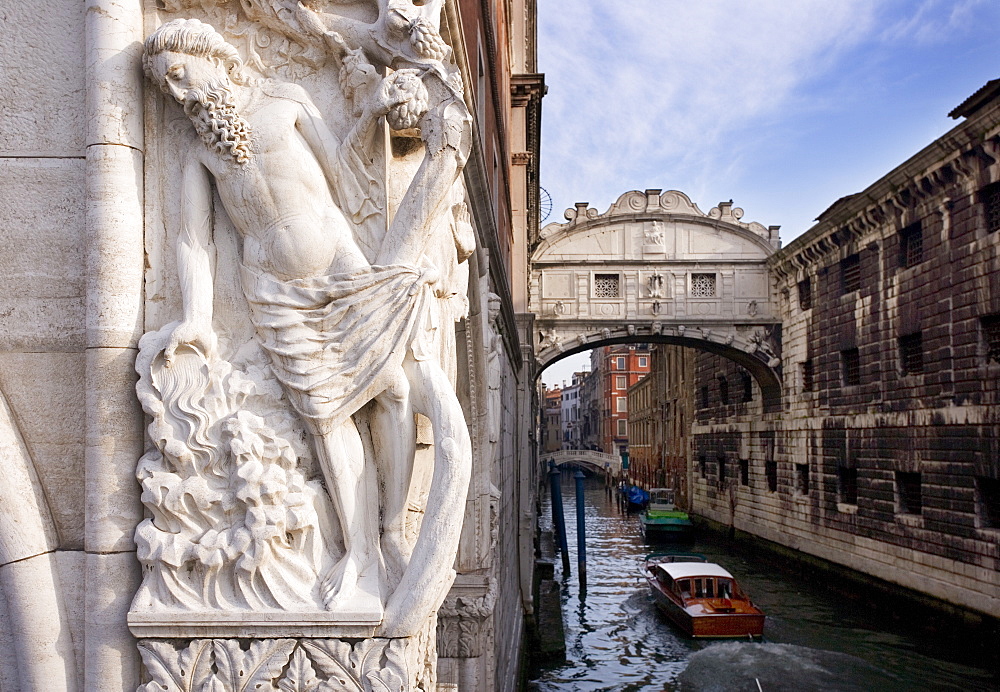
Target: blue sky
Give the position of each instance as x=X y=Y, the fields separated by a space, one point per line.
x=783 y=106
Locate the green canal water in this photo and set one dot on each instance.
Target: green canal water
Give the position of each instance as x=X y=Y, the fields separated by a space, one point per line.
x=815 y=638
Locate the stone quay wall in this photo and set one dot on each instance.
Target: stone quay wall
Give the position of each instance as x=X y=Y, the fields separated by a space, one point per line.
x=884 y=456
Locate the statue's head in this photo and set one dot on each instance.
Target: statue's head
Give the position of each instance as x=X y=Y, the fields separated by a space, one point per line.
x=190 y=61
x=493 y=307
x=188 y=53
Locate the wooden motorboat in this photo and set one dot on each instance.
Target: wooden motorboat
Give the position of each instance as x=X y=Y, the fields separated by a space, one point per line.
x=702 y=598
x=661 y=519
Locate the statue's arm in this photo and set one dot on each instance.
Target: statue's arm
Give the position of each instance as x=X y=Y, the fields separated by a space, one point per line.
x=326 y=146
x=194 y=262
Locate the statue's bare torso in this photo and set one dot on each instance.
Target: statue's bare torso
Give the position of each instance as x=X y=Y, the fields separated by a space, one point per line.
x=280 y=201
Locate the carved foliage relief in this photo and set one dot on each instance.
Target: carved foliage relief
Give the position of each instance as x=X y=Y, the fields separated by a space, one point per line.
x=288 y=665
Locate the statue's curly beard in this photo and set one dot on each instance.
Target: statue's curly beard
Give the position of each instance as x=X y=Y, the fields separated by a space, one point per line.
x=213 y=113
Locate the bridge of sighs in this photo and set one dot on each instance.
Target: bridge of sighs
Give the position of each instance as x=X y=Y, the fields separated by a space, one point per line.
x=656 y=268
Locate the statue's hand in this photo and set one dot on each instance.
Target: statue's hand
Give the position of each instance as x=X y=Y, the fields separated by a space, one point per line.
x=196 y=334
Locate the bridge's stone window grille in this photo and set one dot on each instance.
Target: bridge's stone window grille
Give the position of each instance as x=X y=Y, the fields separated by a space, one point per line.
x=805 y=294
x=723 y=390
x=802 y=479
x=747 y=387
x=744 y=472
x=911 y=245
x=807 y=375
x=908 y=493
x=850 y=273
x=703 y=285
x=850 y=367
x=990 y=197
x=847 y=485
x=988 y=502
x=911 y=354
x=607 y=286
x=990 y=326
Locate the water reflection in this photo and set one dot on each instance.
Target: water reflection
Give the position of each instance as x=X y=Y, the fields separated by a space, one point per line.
x=815 y=640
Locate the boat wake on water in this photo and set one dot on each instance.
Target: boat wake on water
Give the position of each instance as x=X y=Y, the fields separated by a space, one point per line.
x=729 y=666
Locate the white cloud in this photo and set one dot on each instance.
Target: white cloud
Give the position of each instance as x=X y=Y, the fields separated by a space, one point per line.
x=933 y=21
x=661 y=93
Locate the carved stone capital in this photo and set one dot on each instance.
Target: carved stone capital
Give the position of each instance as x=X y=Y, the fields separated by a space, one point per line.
x=289 y=665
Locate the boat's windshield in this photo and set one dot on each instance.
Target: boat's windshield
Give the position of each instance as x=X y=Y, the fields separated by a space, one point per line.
x=705 y=587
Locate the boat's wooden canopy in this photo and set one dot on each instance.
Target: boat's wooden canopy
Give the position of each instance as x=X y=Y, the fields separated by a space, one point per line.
x=685 y=570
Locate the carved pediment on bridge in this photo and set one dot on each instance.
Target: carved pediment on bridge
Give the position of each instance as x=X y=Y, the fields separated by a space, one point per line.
x=644 y=225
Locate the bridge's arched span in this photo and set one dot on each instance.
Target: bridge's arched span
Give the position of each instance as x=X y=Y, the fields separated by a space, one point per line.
x=599 y=462
x=767 y=376
x=655 y=268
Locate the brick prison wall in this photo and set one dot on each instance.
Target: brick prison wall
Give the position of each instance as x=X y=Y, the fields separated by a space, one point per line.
x=885 y=456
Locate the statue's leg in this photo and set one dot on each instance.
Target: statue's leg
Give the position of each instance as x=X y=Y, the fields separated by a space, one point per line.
x=352 y=488
x=394 y=437
x=429 y=575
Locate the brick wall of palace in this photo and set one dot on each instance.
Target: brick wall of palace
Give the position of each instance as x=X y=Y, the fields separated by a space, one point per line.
x=884 y=457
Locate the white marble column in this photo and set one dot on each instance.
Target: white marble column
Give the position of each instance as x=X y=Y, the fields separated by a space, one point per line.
x=114 y=323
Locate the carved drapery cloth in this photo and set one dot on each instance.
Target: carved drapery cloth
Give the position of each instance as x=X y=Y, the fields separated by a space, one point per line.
x=316 y=331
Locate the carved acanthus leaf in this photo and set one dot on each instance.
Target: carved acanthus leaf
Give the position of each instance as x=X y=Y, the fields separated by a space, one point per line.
x=333 y=658
x=187 y=670
x=300 y=676
x=255 y=669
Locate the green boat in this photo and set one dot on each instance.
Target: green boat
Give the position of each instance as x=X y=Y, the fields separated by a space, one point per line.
x=662 y=521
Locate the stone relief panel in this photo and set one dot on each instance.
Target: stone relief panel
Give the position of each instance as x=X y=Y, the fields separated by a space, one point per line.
x=309 y=459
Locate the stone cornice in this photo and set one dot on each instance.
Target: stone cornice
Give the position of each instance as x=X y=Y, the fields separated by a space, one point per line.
x=957 y=159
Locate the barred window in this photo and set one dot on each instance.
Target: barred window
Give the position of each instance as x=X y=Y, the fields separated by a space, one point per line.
x=911 y=354
x=847 y=485
x=771 y=472
x=850 y=361
x=704 y=396
x=850 y=273
x=805 y=294
x=908 y=492
x=723 y=390
x=744 y=472
x=747 y=387
x=606 y=286
x=807 y=375
x=988 y=502
x=703 y=285
x=802 y=478
x=990 y=325
x=990 y=197
x=911 y=245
